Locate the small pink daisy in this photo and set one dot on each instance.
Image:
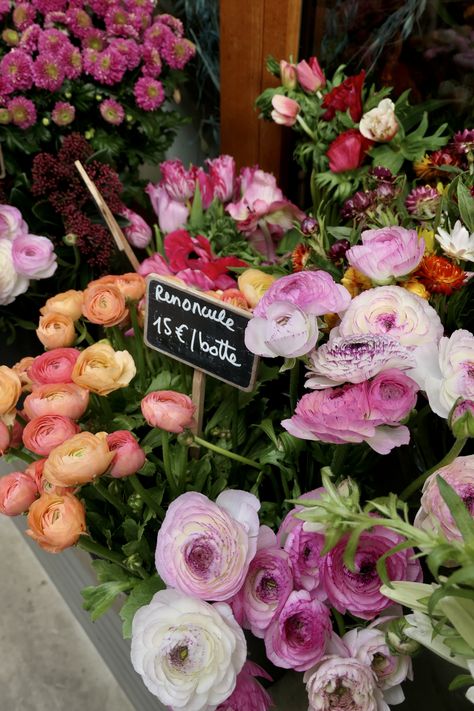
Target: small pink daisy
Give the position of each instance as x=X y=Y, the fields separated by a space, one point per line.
x=16 y=67
x=112 y=112
x=23 y=15
x=158 y=34
x=152 y=61
x=46 y=6
x=22 y=111
x=129 y=49
x=72 y=62
x=94 y=38
x=100 y=7
x=149 y=93
x=4 y=7
x=51 y=19
x=63 y=113
x=109 y=67
x=173 y=22
x=29 y=38
x=48 y=71
x=177 y=52
x=52 y=41
x=78 y=21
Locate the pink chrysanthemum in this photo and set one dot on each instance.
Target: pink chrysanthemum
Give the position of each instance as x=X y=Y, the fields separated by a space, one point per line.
x=52 y=41
x=152 y=61
x=48 y=71
x=4 y=7
x=112 y=112
x=72 y=62
x=141 y=19
x=99 y=7
x=423 y=202
x=63 y=113
x=108 y=68
x=129 y=49
x=173 y=22
x=23 y=15
x=57 y=17
x=177 y=52
x=16 y=67
x=22 y=111
x=158 y=34
x=149 y=93
x=29 y=38
x=79 y=21
x=46 y=6
x=94 y=38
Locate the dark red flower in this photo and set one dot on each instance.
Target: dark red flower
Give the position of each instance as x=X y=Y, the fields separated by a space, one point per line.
x=347 y=151
x=439 y=275
x=347 y=95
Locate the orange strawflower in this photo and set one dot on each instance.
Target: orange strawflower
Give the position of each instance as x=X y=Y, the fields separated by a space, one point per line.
x=300 y=257
x=439 y=275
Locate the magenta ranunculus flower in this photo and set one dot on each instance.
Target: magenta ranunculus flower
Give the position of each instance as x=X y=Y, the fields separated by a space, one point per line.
x=223 y=177
x=434 y=514
x=248 y=694
x=149 y=93
x=53 y=366
x=138 y=232
x=298 y=635
x=266 y=588
x=392 y=395
x=34 y=256
x=343 y=683
x=387 y=253
x=204 y=548
x=129 y=456
x=358 y=591
x=172 y=214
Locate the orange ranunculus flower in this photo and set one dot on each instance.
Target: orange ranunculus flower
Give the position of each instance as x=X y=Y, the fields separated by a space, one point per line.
x=21 y=369
x=253 y=284
x=68 y=303
x=66 y=399
x=79 y=460
x=104 y=304
x=56 y=521
x=439 y=275
x=102 y=370
x=56 y=331
x=355 y=282
x=131 y=285
x=10 y=391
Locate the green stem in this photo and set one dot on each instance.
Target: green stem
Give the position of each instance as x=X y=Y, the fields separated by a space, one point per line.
x=341 y=628
x=235 y=417
x=165 y=446
x=103 y=491
x=305 y=127
x=141 y=365
x=145 y=495
x=455 y=450
x=227 y=453
x=294 y=382
x=19 y=454
x=87 y=544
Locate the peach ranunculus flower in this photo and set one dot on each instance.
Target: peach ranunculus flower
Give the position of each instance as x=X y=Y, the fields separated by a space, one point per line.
x=102 y=370
x=17 y=493
x=131 y=285
x=56 y=521
x=35 y=471
x=42 y=434
x=10 y=391
x=253 y=284
x=57 y=399
x=5 y=438
x=79 y=460
x=21 y=369
x=104 y=304
x=168 y=410
x=56 y=330
x=68 y=303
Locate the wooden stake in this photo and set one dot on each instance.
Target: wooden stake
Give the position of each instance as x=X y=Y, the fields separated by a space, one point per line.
x=112 y=224
x=198 y=397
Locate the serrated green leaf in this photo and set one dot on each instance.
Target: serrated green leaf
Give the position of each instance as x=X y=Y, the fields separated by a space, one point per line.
x=97 y=600
x=109 y=572
x=129 y=422
x=141 y=595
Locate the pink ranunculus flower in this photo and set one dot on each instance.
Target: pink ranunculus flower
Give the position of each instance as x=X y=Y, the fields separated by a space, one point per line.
x=180 y=183
x=12 y=223
x=53 y=366
x=285 y=110
x=434 y=514
x=387 y=253
x=266 y=588
x=168 y=410
x=17 y=493
x=392 y=310
x=34 y=256
x=315 y=292
x=286 y=331
x=155 y=264
x=57 y=399
x=223 y=177
x=129 y=456
x=138 y=232
x=44 y=433
x=204 y=548
x=304 y=550
x=358 y=591
x=172 y=214
x=310 y=75
x=392 y=395
x=5 y=438
x=248 y=694
x=298 y=635
x=343 y=683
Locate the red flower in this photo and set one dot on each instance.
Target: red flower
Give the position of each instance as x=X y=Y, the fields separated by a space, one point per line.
x=217 y=271
x=347 y=151
x=347 y=95
x=439 y=275
x=186 y=252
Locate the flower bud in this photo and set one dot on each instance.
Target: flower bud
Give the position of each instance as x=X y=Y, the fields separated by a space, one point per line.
x=133 y=562
x=186 y=438
x=288 y=75
x=309 y=226
x=135 y=502
x=10 y=37
x=461 y=419
x=397 y=641
x=70 y=239
x=5 y=117
x=45 y=121
x=338 y=250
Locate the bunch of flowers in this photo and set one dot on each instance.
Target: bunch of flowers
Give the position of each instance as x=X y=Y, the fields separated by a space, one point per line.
x=104 y=70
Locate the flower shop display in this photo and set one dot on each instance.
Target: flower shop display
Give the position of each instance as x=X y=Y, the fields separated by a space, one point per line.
x=291 y=521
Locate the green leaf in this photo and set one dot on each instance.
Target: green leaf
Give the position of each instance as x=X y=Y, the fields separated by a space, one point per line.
x=148 y=469
x=109 y=572
x=458 y=510
x=351 y=546
x=140 y=596
x=382 y=568
x=460 y=681
x=288 y=364
x=466 y=206
x=97 y=600
x=129 y=422
x=289 y=241
x=387 y=157
x=196 y=217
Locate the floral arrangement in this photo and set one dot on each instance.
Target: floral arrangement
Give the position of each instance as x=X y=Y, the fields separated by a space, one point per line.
x=307 y=511
x=102 y=69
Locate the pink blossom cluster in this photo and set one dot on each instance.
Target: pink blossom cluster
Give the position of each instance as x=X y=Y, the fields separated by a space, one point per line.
x=23 y=256
x=251 y=197
x=50 y=45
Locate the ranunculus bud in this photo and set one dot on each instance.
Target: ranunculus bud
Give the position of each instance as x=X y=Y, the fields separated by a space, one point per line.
x=4 y=438
x=138 y=232
x=396 y=639
x=338 y=250
x=309 y=226
x=168 y=410
x=287 y=74
x=285 y=110
x=129 y=456
x=461 y=419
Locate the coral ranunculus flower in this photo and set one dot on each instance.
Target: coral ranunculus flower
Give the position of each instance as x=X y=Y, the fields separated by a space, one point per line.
x=439 y=275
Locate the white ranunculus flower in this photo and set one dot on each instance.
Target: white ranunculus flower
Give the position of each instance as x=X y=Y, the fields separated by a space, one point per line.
x=457 y=243
x=11 y=283
x=380 y=124
x=187 y=651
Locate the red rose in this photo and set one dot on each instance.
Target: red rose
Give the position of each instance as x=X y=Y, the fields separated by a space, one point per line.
x=347 y=95
x=347 y=151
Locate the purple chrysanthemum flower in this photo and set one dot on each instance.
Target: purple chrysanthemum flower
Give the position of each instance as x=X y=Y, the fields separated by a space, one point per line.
x=46 y=6
x=129 y=49
x=172 y=22
x=4 y=7
x=149 y=93
x=423 y=202
x=63 y=113
x=99 y=7
x=56 y=17
x=356 y=206
x=177 y=52
x=355 y=359
x=152 y=61
x=22 y=112
x=112 y=112
x=16 y=67
x=158 y=34
x=48 y=71
x=29 y=38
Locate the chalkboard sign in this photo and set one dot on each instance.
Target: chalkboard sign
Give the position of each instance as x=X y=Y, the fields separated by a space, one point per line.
x=199 y=330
